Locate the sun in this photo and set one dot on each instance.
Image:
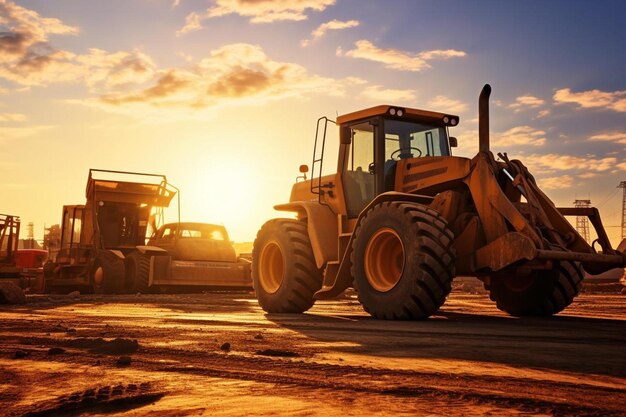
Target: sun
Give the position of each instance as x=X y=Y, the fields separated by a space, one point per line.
x=221 y=193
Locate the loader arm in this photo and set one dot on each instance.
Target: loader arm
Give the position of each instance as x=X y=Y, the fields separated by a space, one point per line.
x=544 y=233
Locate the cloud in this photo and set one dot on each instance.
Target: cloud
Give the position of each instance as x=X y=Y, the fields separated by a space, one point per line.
x=236 y=72
x=24 y=33
x=398 y=60
x=129 y=82
x=446 y=105
x=97 y=68
x=257 y=11
x=28 y=59
x=12 y=117
x=556 y=183
x=618 y=137
x=266 y=11
x=193 y=22
x=23 y=28
x=557 y=162
x=332 y=25
x=380 y=94
x=588 y=175
x=543 y=113
x=113 y=69
x=591 y=99
x=520 y=135
x=526 y=102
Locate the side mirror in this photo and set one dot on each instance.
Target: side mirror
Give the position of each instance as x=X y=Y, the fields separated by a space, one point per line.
x=303 y=170
x=453 y=142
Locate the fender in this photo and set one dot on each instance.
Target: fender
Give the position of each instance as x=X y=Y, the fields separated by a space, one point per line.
x=117 y=253
x=151 y=250
x=335 y=285
x=322 y=225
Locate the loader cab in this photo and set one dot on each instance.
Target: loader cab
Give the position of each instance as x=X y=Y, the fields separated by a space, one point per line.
x=374 y=140
x=122 y=225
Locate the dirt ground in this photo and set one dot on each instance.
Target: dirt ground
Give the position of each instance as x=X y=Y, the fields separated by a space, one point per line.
x=218 y=354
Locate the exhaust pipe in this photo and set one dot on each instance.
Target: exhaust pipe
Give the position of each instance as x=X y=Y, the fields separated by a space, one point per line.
x=483 y=119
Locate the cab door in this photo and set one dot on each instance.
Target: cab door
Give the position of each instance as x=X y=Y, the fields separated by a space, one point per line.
x=362 y=169
x=70 y=251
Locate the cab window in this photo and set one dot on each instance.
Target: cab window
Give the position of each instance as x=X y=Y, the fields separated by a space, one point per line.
x=405 y=139
x=358 y=178
x=168 y=233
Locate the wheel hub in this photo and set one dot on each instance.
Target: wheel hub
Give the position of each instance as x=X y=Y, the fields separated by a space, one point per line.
x=271 y=267
x=384 y=259
x=98 y=276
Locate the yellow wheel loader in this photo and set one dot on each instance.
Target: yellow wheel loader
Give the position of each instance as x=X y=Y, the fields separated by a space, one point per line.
x=402 y=217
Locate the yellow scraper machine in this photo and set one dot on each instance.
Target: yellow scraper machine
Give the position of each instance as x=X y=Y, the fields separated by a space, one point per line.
x=103 y=242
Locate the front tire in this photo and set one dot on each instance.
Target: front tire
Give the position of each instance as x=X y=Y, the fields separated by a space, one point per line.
x=403 y=261
x=137 y=272
x=107 y=273
x=542 y=293
x=284 y=273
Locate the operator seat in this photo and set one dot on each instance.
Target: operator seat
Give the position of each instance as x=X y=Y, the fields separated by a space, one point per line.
x=389 y=174
x=359 y=190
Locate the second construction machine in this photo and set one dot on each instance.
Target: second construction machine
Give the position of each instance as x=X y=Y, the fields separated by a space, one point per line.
x=402 y=217
x=103 y=242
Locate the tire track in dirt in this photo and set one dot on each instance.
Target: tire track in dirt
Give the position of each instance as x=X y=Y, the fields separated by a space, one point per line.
x=312 y=336
x=526 y=395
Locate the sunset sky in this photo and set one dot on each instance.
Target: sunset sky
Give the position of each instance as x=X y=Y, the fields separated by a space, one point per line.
x=222 y=95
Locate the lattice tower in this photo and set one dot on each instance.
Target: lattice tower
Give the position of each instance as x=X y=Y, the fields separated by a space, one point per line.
x=582 y=222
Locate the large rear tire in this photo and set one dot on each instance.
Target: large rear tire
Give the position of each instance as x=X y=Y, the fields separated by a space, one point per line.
x=284 y=273
x=107 y=273
x=137 y=273
x=541 y=293
x=403 y=261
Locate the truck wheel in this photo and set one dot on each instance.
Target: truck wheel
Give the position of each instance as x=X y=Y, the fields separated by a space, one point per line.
x=48 y=276
x=137 y=272
x=11 y=293
x=107 y=273
x=403 y=261
x=542 y=293
x=284 y=272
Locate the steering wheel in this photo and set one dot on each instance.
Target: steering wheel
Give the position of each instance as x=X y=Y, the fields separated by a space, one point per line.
x=398 y=151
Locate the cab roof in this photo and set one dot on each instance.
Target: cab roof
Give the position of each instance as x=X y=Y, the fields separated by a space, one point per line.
x=400 y=113
x=191 y=225
x=129 y=187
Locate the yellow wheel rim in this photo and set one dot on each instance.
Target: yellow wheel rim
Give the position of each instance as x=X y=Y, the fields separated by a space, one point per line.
x=271 y=267
x=384 y=259
x=98 y=276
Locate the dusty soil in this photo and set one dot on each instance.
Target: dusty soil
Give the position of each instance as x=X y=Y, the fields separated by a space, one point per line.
x=220 y=355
